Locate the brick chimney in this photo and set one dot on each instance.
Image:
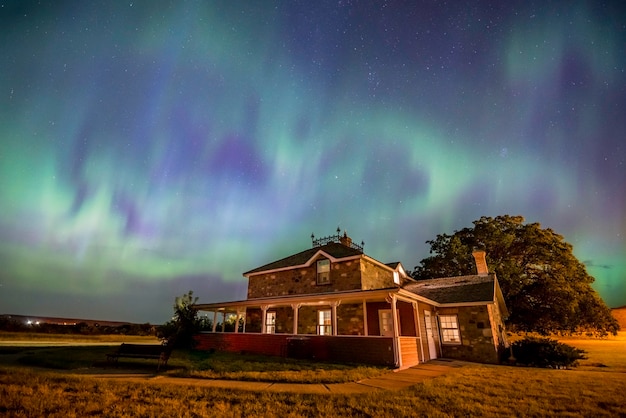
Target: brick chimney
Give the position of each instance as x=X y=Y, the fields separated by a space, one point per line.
x=345 y=240
x=481 y=262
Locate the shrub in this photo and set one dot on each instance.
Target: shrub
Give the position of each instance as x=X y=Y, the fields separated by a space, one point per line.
x=545 y=352
x=184 y=324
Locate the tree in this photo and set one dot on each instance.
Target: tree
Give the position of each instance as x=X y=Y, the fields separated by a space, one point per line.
x=184 y=324
x=545 y=287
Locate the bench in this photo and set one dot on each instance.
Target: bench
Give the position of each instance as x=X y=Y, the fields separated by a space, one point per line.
x=159 y=352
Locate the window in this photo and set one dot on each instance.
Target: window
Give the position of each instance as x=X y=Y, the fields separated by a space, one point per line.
x=270 y=323
x=324 y=322
x=323 y=271
x=449 y=326
x=396 y=277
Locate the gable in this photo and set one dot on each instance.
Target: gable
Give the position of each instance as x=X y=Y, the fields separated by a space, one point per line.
x=333 y=251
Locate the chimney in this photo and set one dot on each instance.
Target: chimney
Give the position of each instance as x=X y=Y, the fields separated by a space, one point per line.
x=345 y=240
x=481 y=262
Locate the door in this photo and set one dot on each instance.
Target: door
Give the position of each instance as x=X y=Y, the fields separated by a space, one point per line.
x=385 y=323
x=428 y=323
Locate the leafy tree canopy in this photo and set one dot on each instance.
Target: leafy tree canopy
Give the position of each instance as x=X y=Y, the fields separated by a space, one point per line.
x=545 y=287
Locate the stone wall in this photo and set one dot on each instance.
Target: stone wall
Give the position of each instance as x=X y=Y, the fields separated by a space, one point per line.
x=374 y=276
x=253 y=320
x=497 y=327
x=350 y=319
x=476 y=335
x=307 y=319
x=344 y=275
x=284 y=319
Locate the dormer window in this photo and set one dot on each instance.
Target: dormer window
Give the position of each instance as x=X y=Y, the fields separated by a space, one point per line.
x=396 y=277
x=323 y=271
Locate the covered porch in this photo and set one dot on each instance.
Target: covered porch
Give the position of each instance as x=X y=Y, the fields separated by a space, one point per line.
x=381 y=327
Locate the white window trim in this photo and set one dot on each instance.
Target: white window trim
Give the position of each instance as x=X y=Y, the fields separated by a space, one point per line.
x=449 y=329
x=270 y=326
x=324 y=328
x=325 y=274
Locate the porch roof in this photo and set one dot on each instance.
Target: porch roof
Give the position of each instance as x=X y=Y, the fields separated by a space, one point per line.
x=312 y=299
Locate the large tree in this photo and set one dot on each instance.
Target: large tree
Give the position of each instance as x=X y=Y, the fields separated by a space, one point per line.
x=545 y=287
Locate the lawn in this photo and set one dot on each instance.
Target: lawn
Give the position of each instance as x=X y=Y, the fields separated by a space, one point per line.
x=596 y=388
x=189 y=363
x=38 y=337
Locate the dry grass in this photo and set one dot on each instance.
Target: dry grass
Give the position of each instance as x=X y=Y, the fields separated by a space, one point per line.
x=228 y=366
x=596 y=389
x=107 y=338
x=204 y=365
x=607 y=352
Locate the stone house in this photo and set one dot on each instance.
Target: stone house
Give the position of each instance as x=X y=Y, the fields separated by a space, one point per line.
x=332 y=302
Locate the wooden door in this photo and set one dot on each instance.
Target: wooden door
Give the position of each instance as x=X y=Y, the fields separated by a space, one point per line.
x=430 y=337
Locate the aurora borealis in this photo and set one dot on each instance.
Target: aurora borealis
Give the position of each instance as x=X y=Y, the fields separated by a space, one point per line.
x=149 y=147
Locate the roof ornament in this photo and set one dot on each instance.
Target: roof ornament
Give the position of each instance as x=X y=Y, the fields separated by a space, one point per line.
x=339 y=239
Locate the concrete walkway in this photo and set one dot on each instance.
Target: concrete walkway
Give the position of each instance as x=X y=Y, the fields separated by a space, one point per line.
x=394 y=380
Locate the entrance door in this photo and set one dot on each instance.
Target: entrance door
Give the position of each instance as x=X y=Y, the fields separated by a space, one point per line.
x=432 y=348
x=385 y=322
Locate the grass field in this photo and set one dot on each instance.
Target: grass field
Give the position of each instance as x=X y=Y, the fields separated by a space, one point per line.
x=40 y=337
x=596 y=388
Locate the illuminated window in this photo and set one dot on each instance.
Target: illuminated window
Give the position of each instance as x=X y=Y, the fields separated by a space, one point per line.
x=323 y=271
x=324 y=322
x=270 y=322
x=449 y=326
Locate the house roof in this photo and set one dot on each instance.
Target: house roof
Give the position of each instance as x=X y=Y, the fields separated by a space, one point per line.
x=333 y=249
x=461 y=289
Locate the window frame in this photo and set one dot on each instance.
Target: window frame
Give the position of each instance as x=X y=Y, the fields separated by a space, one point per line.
x=324 y=325
x=270 y=326
x=325 y=273
x=449 y=329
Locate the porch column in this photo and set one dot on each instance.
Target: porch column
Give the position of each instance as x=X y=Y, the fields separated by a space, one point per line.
x=394 y=315
x=214 y=320
x=396 y=330
x=243 y=313
x=333 y=315
x=224 y=321
x=416 y=312
x=296 y=308
x=264 y=318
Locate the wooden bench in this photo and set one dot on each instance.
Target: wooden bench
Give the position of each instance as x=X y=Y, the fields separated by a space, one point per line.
x=159 y=352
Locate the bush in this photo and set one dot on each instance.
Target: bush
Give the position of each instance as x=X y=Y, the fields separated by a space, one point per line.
x=545 y=352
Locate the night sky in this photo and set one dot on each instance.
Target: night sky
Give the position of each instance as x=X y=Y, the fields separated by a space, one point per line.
x=148 y=148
